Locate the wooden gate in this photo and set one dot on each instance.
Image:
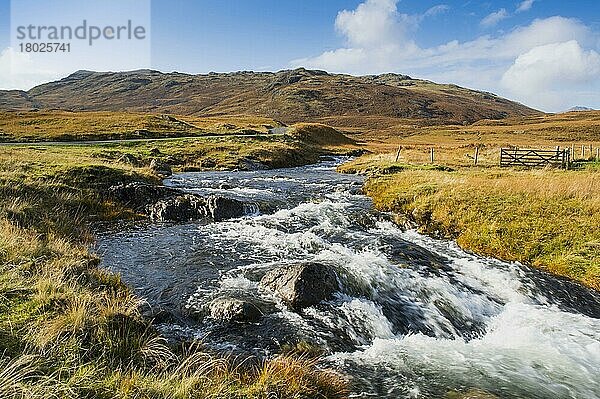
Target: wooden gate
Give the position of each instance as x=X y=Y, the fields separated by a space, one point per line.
x=535 y=158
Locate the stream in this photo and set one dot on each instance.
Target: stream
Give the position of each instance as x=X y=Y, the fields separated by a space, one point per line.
x=416 y=317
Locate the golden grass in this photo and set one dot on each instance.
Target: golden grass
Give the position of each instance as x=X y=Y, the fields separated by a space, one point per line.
x=69 y=126
x=546 y=218
x=573 y=128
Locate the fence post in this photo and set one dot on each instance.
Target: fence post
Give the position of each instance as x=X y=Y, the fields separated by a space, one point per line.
x=583 y=151
x=597 y=154
x=432 y=155
x=398 y=153
x=476 y=154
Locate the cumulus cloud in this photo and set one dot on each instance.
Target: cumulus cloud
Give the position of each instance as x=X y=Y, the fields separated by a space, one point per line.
x=374 y=22
x=525 y=5
x=481 y=63
x=544 y=73
x=495 y=17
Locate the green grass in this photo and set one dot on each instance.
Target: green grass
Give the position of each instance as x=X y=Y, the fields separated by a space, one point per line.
x=546 y=218
x=71 y=330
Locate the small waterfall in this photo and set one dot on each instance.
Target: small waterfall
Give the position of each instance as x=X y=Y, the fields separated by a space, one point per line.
x=251 y=209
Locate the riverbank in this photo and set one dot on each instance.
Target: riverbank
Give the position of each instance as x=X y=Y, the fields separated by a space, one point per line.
x=71 y=329
x=545 y=218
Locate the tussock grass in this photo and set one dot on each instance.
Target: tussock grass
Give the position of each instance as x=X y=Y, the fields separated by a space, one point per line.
x=546 y=218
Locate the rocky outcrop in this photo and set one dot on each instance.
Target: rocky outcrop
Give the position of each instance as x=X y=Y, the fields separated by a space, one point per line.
x=249 y=164
x=186 y=207
x=162 y=169
x=139 y=195
x=169 y=204
x=222 y=208
x=182 y=208
x=302 y=285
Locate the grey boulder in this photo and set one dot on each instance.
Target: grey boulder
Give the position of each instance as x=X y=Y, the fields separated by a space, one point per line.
x=302 y=285
x=179 y=209
x=188 y=207
x=233 y=309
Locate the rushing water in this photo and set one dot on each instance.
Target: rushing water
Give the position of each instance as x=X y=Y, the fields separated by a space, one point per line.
x=416 y=317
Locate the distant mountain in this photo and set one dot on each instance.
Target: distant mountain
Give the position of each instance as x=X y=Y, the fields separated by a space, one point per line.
x=580 y=109
x=288 y=96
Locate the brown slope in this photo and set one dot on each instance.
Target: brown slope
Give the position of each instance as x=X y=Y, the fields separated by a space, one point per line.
x=290 y=96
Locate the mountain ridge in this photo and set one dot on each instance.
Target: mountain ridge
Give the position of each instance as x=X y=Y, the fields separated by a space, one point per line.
x=290 y=96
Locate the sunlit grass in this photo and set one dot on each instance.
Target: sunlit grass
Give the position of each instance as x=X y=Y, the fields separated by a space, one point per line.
x=68 y=126
x=547 y=218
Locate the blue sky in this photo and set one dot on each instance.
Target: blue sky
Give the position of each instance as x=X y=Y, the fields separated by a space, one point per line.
x=544 y=53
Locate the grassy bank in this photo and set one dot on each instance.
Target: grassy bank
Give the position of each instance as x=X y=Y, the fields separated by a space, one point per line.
x=546 y=218
x=69 y=329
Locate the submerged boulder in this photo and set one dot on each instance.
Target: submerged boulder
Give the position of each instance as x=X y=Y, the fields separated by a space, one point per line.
x=302 y=285
x=471 y=394
x=233 y=309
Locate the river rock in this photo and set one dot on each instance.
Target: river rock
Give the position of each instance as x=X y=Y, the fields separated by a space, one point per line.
x=302 y=285
x=233 y=309
x=471 y=394
x=161 y=168
x=251 y=164
x=221 y=208
x=186 y=207
x=182 y=208
x=139 y=195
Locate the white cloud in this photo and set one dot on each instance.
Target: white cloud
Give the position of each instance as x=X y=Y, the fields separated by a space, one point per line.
x=480 y=63
x=543 y=74
x=19 y=71
x=374 y=22
x=495 y=17
x=436 y=10
x=525 y=5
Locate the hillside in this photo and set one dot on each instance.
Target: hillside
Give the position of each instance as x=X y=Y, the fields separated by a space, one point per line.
x=30 y=126
x=287 y=96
